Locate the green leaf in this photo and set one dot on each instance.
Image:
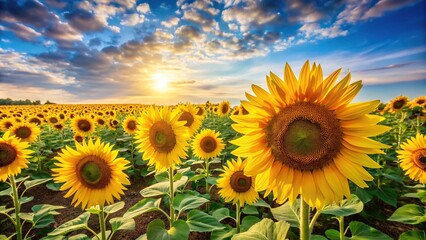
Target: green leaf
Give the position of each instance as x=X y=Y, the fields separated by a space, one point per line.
x=248 y=209
x=7 y=191
x=387 y=195
x=332 y=234
x=80 y=236
x=157 y=231
x=409 y=214
x=26 y=216
x=33 y=183
x=196 y=178
x=265 y=230
x=318 y=237
x=422 y=195
x=199 y=221
x=114 y=207
x=361 y=231
x=223 y=234
x=143 y=206
x=162 y=188
x=221 y=214
x=122 y=223
x=364 y=194
x=94 y=210
x=75 y=224
x=43 y=214
x=248 y=221
x=183 y=202
x=261 y=203
x=287 y=213
x=25 y=199
x=413 y=235
x=349 y=207
x=54 y=186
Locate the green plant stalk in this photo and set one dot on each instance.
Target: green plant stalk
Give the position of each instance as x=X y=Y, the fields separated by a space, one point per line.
x=341 y=227
x=172 y=211
x=102 y=224
x=238 y=220
x=304 y=220
x=17 y=206
x=313 y=220
x=207 y=184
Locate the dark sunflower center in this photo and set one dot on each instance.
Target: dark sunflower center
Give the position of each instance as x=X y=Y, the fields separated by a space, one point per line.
x=7 y=154
x=419 y=158
x=8 y=125
x=240 y=182
x=101 y=122
x=35 y=120
x=187 y=116
x=225 y=108
x=53 y=120
x=83 y=125
x=305 y=136
x=421 y=101
x=79 y=139
x=162 y=137
x=399 y=104
x=131 y=125
x=23 y=132
x=208 y=144
x=200 y=111
x=93 y=172
x=58 y=126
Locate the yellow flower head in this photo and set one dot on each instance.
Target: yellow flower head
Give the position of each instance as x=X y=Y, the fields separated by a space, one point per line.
x=235 y=185
x=13 y=156
x=304 y=136
x=412 y=158
x=130 y=124
x=188 y=113
x=27 y=132
x=92 y=173
x=162 y=138
x=207 y=144
x=224 y=108
x=398 y=103
x=83 y=125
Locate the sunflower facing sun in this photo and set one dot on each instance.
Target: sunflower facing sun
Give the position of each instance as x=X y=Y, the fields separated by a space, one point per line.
x=162 y=138
x=235 y=186
x=130 y=124
x=413 y=158
x=83 y=125
x=188 y=113
x=92 y=173
x=27 y=132
x=13 y=156
x=207 y=144
x=303 y=136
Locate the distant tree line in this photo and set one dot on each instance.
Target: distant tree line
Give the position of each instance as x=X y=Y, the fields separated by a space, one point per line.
x=8 y=101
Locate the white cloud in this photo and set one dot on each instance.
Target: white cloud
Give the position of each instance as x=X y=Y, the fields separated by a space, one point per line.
x=233 y=27
x=143 y=8
x=171 y=22
x=133 y=19
x=114 y=29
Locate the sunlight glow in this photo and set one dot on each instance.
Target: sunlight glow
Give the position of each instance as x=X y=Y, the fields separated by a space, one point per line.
x=161 y=81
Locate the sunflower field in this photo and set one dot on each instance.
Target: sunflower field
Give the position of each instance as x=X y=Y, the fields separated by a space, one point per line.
x=296 y=160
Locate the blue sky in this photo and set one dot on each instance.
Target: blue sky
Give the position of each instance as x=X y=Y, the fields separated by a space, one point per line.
x=166 y=52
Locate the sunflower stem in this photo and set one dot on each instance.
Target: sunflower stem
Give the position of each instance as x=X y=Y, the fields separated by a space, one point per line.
x=238 y=220
x=341 y=227
x=17 y=206
x=207 y=184
x=304 y=220
x=172 y=211
x=314 y=219
x=102 y=224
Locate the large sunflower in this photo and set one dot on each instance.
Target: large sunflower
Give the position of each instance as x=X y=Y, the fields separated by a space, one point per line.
x=83 y=125
x=398 y=103
x=130 y=124
x=235 y=185
x=27 y=132
x=419 y=101
x=92 y=172
x=162 y=138
x=303 y=137
x=207 y=144
x=188 y=113
x=13 y=156
x=413 y=158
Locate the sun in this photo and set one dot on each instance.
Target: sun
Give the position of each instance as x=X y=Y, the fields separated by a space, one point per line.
x=161 y=81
